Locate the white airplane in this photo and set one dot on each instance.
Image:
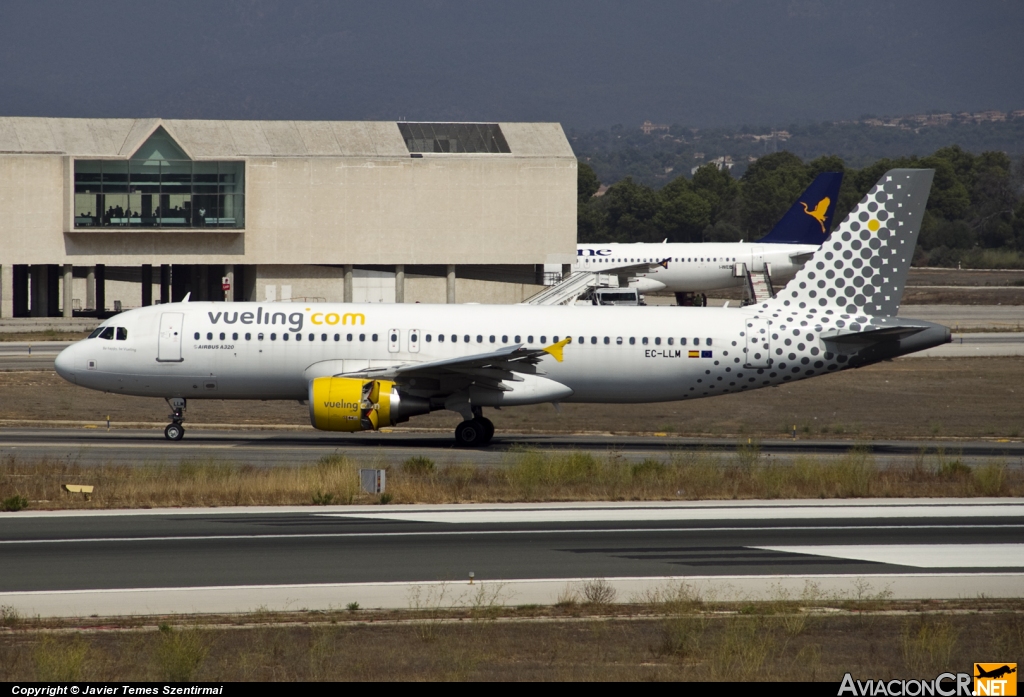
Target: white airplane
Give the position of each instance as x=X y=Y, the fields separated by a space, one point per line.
x=364 y=367
x=699 y=267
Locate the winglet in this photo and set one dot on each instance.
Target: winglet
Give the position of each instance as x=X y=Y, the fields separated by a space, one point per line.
x=556 y=349
x=187 y=296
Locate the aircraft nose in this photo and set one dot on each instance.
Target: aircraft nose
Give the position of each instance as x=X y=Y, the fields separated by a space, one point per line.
x=65 y=364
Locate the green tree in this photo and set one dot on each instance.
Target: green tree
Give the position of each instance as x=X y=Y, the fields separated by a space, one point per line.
x=719 y=189
x=770 y=186
x=587 y=183
x=630 y=209
x=682 y=214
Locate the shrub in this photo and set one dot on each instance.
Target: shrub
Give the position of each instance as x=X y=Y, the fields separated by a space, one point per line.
x=321 y=498
x=418 y=466
x=14 y=503
x=180 y=653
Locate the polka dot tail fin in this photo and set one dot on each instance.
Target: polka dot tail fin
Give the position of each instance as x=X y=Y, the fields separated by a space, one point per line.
x=862 y=267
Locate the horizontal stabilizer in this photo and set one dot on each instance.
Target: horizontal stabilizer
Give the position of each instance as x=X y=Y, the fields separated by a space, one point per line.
x=870 y=336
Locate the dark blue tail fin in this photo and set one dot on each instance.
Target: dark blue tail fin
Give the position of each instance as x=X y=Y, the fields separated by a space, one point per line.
x=809 y=221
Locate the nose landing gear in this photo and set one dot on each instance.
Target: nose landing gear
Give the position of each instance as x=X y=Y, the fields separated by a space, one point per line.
x=175 y=431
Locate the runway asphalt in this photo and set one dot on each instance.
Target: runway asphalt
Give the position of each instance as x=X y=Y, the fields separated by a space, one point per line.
x=275 y=448
x=222 y=559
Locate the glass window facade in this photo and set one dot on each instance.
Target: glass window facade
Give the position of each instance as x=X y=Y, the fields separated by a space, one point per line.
x=159 y=187
x=453 y=137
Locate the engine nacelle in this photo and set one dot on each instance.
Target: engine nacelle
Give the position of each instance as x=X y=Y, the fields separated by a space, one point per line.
x=359 y=404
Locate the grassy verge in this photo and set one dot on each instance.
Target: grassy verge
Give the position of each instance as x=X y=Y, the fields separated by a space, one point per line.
x=668 y=636
x=526 y=476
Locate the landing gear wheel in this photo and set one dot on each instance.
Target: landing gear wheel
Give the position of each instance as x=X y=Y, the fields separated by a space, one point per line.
x=470 y=434
x=488 y=428
x=174 y=432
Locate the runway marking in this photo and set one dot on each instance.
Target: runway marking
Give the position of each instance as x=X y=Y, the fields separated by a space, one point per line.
x=754 y=509
x=939 y=556
x=451 y=533
x=667 y=514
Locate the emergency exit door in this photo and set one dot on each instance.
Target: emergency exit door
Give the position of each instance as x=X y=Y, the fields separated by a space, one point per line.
x=168 y=348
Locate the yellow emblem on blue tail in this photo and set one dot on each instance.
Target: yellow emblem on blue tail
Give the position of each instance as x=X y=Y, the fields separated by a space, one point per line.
x=819 y=212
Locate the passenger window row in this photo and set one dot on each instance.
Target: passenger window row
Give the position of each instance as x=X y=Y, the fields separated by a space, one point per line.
x=285 y=336
x=652 y=260
x=645 y=341
x=109 y=333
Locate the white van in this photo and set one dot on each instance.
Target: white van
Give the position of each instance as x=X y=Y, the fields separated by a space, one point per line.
x=616 y=296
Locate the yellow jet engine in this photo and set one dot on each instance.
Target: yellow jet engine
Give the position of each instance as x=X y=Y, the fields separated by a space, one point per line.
x=359 y=404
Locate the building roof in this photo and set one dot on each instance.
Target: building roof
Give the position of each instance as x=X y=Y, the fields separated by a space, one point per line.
x=201 y=139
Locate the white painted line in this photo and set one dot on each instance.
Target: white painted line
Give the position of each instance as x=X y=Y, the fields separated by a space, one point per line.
x=525 y=531
x=614 y=515
x=827 y=508
x=430 y=594
x=967 y=556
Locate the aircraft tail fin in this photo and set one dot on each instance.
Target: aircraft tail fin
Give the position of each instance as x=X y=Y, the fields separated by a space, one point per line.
x=862 y=267
x=809 y=220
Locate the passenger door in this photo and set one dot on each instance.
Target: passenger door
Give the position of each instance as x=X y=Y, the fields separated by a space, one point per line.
x=168 y=348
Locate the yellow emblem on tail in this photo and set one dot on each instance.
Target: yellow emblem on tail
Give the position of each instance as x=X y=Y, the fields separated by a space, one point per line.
x=556 y=349
x=818 y=212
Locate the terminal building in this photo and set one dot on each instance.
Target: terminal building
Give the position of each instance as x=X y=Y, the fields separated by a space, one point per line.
x=98 y=215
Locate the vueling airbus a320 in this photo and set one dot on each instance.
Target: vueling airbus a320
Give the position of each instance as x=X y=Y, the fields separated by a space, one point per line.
x=364 y=367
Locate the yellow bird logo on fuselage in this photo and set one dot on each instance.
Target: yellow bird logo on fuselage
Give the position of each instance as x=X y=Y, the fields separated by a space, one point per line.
x=818 y=212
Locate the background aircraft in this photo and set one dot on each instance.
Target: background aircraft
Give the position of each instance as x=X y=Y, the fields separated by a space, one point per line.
x=699 y=267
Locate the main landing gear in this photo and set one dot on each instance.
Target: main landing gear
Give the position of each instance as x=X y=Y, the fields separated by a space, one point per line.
x=474 y=433
x=175 y=431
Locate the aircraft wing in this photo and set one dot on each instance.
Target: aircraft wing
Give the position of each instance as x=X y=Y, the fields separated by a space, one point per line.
x=485 y=369
x=647 y=267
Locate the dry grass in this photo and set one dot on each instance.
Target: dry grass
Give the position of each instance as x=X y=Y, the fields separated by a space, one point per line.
x=525 y=476
x=667 y=638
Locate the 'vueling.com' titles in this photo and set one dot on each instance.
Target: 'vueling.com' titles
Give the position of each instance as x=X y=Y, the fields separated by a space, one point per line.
x=294 y=320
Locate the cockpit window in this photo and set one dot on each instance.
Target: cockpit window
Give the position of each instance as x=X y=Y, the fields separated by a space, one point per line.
x=95 y=332
x=122 y=334
x=107 y=333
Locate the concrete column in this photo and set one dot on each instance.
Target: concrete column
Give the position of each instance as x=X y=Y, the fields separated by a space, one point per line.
x=7 y=291
x=229 y=272
x=451 y=283
x=101 y=288
x=90 y=288
x=399 y=283
x=165 y=284
x=147 y=285
x=566 y=270
x=348 y=283
x=68 y=292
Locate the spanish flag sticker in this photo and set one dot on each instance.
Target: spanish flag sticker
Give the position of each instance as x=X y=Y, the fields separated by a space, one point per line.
x=694 y=354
